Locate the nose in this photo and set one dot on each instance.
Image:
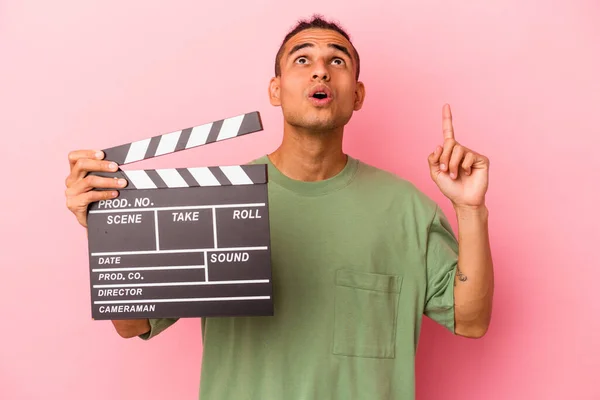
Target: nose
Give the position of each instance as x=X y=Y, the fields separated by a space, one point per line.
x=320 y=72
x=321 y=76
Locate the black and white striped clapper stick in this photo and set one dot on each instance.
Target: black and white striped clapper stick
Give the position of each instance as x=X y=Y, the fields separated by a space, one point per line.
x=182 y=242
x=182 y=140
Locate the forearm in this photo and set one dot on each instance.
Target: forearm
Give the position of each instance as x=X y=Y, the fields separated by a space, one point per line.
x=132 y=327
x=474 y=282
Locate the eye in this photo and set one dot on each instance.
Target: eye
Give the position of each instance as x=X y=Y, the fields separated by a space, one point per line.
x=301 y=60
x=338 y=61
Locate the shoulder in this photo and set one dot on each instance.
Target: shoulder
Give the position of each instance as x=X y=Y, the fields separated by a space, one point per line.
x=260 y=160
x=386 y=184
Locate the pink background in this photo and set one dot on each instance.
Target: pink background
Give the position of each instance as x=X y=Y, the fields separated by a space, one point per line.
x=523 y=81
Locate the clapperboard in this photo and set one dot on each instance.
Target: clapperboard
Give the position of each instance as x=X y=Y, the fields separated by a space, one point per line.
x=182 y=242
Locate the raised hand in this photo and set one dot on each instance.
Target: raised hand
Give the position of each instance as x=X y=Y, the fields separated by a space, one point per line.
x=79 y=184
x=460 y=173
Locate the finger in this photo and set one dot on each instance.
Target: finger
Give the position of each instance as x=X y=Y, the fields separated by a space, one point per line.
x=447 y=128
x=97 y=195
x=78 y=204
x=446 y=154
x=434 y=157
x=84 y=165
x=457 y=156
x=468 y=162
x=94 y=182
x=77 y=154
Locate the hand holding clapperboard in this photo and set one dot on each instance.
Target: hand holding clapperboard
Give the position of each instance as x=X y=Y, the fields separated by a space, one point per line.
x=182 y=242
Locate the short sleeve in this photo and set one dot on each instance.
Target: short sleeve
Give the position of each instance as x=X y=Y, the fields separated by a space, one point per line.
x=157 y=325
x=442 y=261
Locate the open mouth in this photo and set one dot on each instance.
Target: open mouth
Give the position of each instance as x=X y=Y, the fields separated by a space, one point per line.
x=320 y=93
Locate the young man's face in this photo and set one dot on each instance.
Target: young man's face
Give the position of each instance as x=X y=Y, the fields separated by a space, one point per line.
x=317 y=89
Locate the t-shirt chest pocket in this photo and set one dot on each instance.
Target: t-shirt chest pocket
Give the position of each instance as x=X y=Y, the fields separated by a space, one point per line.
x=366 y=310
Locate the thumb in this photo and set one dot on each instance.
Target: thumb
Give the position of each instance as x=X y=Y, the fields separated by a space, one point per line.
x=434 y=158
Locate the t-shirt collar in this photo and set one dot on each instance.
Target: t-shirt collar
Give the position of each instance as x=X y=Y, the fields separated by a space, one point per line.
x=316 y=188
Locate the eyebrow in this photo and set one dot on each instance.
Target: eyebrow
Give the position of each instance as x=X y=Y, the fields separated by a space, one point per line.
x=341 y=48
x=299 y=47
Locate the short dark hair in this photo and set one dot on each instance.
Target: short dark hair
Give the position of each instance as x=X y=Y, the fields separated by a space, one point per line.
x=316 y=22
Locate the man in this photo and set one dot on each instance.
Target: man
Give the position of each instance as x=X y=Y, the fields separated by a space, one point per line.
x=358 y=254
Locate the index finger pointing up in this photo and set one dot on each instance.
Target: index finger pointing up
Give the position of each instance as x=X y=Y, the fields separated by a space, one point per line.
x=447 y=128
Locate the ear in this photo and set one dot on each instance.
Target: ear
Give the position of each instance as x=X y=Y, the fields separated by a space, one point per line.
x=359 y=95
x=274 y=91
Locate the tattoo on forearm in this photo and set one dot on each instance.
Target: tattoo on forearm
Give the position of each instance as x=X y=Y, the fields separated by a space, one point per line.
x=461 y=277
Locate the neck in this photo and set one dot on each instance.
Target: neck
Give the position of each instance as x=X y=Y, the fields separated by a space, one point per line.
x=309 y=156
